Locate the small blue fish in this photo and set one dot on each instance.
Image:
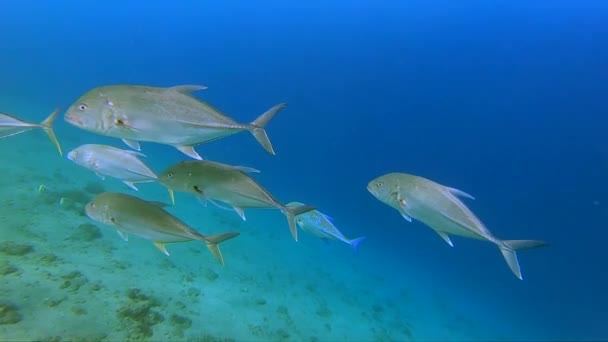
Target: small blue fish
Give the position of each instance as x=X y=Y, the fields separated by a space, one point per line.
x=321 y=225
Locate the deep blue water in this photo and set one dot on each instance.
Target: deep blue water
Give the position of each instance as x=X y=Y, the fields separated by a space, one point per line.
x=505 y=100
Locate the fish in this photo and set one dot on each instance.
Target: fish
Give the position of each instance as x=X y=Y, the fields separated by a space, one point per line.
x=213 y=181
x=10 y=125
x=104 y=160
x=321 y=225
x=148 y=220
x=440 y=208
x=165 y=115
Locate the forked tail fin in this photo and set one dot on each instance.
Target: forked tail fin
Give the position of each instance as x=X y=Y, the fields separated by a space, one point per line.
x=258 y=125
x=355 y=242
x=47 y=125
x=508 y=248
x=291 y=212
x=212 y=242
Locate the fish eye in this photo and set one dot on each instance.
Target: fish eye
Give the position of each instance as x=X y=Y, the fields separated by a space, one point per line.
x=82 y=106
x=170 y=175
x=380 y=183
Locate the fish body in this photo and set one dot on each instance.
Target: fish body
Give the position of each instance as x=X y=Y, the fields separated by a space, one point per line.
x=213 y=181
x=104 y=160
x=171 y=116
x=320 y=225
x=439 y=207
x=10 y=125
x=132 y=215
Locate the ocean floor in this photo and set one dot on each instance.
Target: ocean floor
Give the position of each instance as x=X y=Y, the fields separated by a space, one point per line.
x=66 y=278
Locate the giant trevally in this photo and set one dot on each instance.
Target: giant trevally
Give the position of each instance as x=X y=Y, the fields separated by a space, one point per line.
x=438 y=207
x=171 y=116
x=132 y=215
x=321 y=225
x=113 y=162
x=213 y=181
x=10 y=125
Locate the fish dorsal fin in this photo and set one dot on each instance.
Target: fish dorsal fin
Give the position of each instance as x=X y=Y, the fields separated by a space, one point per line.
x=189 y=151
x=132 y=144
x=326 y=217
x=446 y=237
x=187 y=89
x=460 y=193
x=122 y=235
x=161 y=247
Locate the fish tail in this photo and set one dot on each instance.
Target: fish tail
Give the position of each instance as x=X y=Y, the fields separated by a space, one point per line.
x=47 y=125
x=291 y=212
x=508 y=248
x=355 y=242
x=257 y=127
x=212 y=242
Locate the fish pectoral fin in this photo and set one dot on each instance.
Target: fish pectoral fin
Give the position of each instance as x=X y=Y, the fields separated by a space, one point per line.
x=187 y=89
x=189 y=151
x=122 y=235
x=446 y=238
x=132 y=144
x=240 y=212
x=202 y=200
x=405 y=216
x=131 y=185
x=161 y=247
x=459 y=193
x=171 y=196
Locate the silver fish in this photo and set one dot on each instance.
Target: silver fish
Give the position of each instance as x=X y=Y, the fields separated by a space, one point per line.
x=113 y=162
x=10 y=125
x=438 y=207
x=321 y=225
x=131 y=215
x=171 y=116
x=213 y=181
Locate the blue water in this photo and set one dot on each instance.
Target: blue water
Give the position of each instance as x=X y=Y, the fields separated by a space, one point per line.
x=505 y=100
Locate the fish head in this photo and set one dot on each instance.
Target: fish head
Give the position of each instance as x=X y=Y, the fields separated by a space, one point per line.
x=80 y=155
x=179 y=177
x=383 y=187
x=99 y=210
x=95 y=112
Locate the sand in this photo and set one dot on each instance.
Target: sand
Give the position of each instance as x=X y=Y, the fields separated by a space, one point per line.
x=64 y=277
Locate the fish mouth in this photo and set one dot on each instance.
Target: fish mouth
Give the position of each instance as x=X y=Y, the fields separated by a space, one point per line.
x=73 y=119
x=369 y=188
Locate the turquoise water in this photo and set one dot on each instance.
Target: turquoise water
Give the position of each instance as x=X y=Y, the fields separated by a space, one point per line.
x=502 y=100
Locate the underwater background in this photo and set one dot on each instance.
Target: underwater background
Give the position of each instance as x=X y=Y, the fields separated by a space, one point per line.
x=505 y=100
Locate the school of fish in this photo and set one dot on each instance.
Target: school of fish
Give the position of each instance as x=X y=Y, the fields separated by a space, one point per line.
x=174 y=116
